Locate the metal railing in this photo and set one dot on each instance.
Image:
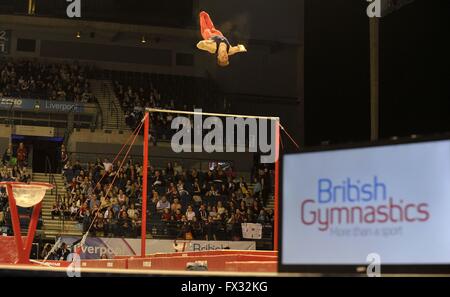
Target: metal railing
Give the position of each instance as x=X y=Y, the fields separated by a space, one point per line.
x=52 y=180
x=113 y=110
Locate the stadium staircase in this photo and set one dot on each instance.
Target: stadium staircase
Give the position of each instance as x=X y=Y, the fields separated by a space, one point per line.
x=113 y=117
x=55 y=227
x=271 y=203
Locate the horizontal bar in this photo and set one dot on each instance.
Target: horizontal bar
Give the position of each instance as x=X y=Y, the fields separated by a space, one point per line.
x=212 y=114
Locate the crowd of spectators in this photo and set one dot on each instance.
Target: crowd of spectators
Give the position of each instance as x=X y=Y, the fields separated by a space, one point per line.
x=166 y=92
x=13 y=168
x=32 y=79
x=209 y=205
x=90 y=200
x=182 y=203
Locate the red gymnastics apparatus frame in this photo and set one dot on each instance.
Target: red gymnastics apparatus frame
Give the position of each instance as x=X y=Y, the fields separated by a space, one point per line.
x=146 y=155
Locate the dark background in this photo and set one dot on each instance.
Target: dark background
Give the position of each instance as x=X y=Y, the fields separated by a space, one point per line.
x=337 y=77
x=415 y=77
x=414 y=71
x=169 y=13
x=414 y=56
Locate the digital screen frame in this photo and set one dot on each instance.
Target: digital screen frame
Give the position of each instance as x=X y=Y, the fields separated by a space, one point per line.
x=353 y=268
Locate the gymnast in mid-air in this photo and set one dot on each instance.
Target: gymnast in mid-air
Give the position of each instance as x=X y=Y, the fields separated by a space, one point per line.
x=215 y=43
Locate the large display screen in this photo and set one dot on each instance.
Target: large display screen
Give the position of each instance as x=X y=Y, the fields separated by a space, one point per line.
x=340 y=206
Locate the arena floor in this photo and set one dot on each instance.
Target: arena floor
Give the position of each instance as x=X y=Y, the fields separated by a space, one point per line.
x=11 y=270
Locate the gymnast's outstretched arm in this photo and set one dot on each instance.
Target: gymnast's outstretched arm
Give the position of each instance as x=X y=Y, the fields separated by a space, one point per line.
x=207 y=45
x=237 y=49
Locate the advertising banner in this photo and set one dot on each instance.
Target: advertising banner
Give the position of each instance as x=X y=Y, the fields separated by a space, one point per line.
x=27 y=104
x=95 y=247
x=339 y=207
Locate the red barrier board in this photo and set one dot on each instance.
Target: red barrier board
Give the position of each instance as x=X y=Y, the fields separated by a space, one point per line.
x=259 y=266
x=207 y=253
x=105 y=264
x=8 y=252
x=214 y=262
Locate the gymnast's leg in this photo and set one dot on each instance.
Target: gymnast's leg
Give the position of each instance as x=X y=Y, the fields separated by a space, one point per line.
x=207 y=28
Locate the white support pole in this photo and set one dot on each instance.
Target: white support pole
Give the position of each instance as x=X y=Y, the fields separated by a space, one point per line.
x=212 y=114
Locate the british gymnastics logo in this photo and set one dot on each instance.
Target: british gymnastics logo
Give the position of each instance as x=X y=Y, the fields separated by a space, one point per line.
x=353 y=202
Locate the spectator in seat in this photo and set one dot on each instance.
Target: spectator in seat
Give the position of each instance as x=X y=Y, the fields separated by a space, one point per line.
x=93 y=202
x=64 y=157
x=105 y=203
x=175 y=205
x=162 y=204
x=262 y=217
x=223 y=190
x=257 y=188
x=7 y=155
x=211 y=196
x=221 y=210
x=177 y=168
x=169 y=169
x=115 y=204
x=266 y=183
x=270 y=215
x=56 y=211
x=197 y=193
x=186 y=229
x=77 y=167
x=136 y=226
x=107 y=221
x=234 y=226
x=65 y=210
x=25 y=177
x=213 y=213
x=248 y=200
x=63 y=252
x=122 y=198
x=172 y=192
x=73 y=211
x=99 y=222
x=166 y=216
x=178 y=215
x=221 y=175
x=180 y=188
x=86 y=220
x=190 y=213
x=203 y=213
x=157 y=180
x=256 y=208
x=132 y=212
x=46 y=250
x=197 y=229
x=210 y=229
x=21 y=155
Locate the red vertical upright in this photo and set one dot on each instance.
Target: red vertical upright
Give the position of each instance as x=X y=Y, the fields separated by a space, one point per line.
x=21 y=257
x=32 y=228
x=144 y=185
x=277 y=185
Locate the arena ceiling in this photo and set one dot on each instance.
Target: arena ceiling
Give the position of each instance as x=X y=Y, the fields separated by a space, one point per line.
x=167 y=13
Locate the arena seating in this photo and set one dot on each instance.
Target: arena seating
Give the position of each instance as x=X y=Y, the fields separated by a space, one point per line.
x=30 y=79
x=136 y=91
